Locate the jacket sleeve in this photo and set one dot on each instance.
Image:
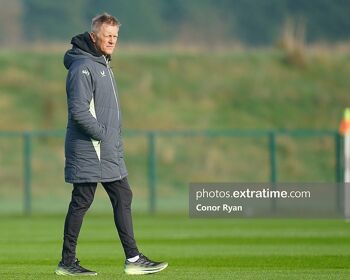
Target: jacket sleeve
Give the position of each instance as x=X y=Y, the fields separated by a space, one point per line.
x=79 y=96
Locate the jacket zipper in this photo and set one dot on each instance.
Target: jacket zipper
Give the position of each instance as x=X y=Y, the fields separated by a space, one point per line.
x=115 y=94
x=116 y=100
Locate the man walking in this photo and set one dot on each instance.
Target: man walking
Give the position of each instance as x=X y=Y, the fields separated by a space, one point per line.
x=94 y=147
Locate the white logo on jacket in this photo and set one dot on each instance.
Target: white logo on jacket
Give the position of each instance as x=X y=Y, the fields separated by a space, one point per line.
x=103 y=74
x=85 y=72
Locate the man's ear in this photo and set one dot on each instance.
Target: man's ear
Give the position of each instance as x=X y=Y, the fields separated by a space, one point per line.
x=93 y=37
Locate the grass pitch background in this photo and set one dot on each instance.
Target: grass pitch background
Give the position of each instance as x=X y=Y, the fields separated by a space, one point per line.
x=242 y=90
x=195 y=248
x=165 y=90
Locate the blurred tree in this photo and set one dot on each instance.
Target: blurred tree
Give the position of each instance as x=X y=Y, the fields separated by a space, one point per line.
x=204 y=25
x=53 y=20
x=258 y=22
x=141 y=20
x=326 y=19
x=253 y=22
x=10 y=22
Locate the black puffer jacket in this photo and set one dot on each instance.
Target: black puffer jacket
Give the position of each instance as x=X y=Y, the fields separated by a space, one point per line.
x=93 y=145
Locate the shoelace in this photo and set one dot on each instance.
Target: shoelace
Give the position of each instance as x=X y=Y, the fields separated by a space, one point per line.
x=144 y=260
x=77 y=263
x=78 y=266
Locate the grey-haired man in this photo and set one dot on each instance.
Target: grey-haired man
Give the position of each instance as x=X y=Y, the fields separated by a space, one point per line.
x=94 y=148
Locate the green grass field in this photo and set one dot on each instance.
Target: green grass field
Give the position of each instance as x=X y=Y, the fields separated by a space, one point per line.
x=248 y=89
x=194 y=248
x=253 y=89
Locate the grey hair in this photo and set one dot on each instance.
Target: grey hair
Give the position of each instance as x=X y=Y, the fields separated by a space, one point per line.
x=98 y=20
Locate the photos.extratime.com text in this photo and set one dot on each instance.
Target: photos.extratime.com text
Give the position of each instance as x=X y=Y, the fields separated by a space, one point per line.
x=248 y=193
x=265 y=200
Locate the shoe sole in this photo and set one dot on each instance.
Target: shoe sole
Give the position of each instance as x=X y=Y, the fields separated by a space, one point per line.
x=138 y=271
x=64 y=273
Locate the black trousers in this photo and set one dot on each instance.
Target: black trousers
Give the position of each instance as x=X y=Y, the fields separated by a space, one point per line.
x=120 y=195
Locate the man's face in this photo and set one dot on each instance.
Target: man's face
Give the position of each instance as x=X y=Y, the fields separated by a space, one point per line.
x=106 y=38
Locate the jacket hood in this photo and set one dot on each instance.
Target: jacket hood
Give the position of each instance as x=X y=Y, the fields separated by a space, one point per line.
x=83 y=48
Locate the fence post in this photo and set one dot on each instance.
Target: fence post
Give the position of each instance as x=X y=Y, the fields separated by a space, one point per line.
x=27 y=172
x=272 y=148
x=273 y=172
x=338 y=158
x=152 y=171
x=338 y=169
